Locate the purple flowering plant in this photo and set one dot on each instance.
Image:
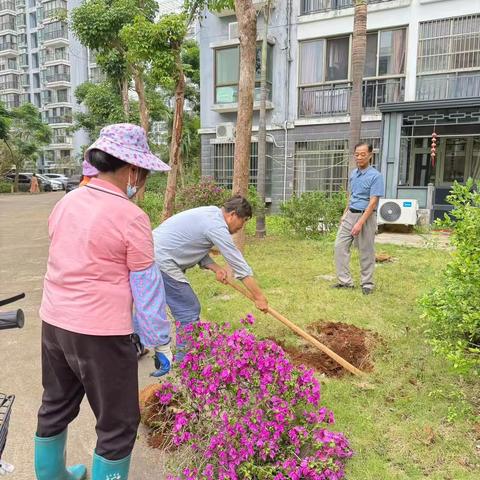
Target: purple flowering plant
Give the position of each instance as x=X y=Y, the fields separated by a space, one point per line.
x=243 y=411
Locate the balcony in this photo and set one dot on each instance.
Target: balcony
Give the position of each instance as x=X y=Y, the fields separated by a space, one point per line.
x=334 y=99
x=61 y=140
x=57 y=77
x=7 y=5
x=56 y=35
x=61 y=56
x=454 y=85
x=258 y=4
x=8 y=48
x=9 y=86
x=55 y=13
x=317 y=6
x=59 y=119
x=8 y=26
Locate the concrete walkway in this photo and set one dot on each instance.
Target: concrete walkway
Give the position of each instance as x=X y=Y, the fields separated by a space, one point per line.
x=23 y=255
x=428 y=240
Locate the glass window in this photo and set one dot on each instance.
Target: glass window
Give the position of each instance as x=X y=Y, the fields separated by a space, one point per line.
x=34 y=40
x=36 y=80
x=37 y=101
x=455 y=160
x=371 y=57
x=337 y=58
x=35 y=60
x=391 y=57
x=33 y=20
x=62 y=95
x=311 y=61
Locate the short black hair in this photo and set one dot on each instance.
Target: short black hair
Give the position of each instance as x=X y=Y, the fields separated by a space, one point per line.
x=240 y=205
x=104 y=162
x=361 y=144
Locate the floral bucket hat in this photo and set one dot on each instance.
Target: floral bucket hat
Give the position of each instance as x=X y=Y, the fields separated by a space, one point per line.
x=127 y=142
x=89 y=170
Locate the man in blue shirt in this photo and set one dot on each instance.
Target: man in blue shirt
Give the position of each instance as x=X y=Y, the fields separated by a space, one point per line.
x=359 y=221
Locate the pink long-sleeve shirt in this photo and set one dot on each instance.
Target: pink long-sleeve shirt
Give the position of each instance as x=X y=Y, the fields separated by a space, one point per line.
x=97 y=238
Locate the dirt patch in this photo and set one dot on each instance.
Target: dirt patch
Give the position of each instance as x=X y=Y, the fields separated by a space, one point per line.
x=350 y=342
x=383 y=258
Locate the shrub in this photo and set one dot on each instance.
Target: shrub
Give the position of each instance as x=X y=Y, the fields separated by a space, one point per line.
x=242 y=411
x=314 y=213
x=205 y=192
x=5 y=187
x=453 y=308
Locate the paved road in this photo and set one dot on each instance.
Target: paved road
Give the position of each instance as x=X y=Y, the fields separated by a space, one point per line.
x=23 y=254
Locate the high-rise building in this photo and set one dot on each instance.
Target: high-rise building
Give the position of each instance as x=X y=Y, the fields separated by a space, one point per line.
x=41 y=62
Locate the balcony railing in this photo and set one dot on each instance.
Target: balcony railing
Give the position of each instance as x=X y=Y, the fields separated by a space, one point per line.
x=7 y=26
x=57 y=12
x=60 y=119
x=61 y=139
x=455 y=85
x=58 y=77
x=8 y=46
x=9 y=104
x=6 y=5
x=334 y=99
x=54 y=57
x=315 y=6
x=9 y=85
x=60 y=34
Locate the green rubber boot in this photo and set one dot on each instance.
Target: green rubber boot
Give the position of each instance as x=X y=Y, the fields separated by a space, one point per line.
x=103 y=469
x=50 y=460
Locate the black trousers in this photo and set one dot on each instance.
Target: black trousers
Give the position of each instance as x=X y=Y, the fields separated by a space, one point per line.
x=105 y=368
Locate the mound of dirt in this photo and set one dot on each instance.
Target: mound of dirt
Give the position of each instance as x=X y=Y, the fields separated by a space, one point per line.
x=350 y=342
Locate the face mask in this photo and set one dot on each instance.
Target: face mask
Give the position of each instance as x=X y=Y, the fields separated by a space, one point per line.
x=132 y=189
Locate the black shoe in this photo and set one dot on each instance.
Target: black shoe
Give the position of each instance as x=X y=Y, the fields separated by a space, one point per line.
x=342 y=285
x=367 y=291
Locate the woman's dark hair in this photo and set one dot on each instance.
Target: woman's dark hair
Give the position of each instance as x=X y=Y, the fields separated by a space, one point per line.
x=104 y=162
x=239 y=205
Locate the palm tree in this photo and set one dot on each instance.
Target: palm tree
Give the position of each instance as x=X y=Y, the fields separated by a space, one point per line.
x=359 y=49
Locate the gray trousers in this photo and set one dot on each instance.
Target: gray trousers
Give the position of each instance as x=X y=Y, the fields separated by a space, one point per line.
x=366 y=246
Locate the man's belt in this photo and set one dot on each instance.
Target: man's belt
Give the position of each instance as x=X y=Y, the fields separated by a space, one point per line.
x=354 y=210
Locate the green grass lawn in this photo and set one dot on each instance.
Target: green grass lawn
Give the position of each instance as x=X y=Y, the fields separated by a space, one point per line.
x=412 y=417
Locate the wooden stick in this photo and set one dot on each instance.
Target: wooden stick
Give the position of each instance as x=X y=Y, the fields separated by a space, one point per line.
x=341 y=361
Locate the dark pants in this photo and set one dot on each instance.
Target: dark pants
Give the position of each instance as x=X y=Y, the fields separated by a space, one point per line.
x=105 y=368
x=185 y=308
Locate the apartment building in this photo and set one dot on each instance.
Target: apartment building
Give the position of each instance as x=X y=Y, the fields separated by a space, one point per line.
x=422 y=74
x=42 y=63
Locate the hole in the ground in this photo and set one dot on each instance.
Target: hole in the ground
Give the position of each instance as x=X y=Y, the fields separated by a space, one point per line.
x=352 y=343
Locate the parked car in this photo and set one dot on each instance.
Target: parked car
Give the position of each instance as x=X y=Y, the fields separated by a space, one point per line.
x=57 y=177
x=73 y=183
x=53 y=185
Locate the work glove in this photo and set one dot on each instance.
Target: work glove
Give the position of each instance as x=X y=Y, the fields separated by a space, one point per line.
x=163 y=360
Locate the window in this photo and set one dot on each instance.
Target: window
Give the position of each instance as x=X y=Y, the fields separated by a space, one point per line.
x=337 y=58
x=23 y=59
x=34 y=40
x=448 y=63
x=321 y=165
x=37 y=101
x=34 y=60
x=33 y=20
x=36 y=80
x=55 y=30
x=62 y=95
x=227 y=65
x=223 y=155
x=324 y=76
x=449 y=44
x=25 y=80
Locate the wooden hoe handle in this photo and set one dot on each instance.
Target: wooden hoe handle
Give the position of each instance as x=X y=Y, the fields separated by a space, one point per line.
x=312 y=340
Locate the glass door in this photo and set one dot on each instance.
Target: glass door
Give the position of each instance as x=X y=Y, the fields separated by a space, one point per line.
x=421 y=170
x=454 y=160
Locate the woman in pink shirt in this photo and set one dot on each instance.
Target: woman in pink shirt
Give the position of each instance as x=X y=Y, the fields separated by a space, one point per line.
x=100 y=263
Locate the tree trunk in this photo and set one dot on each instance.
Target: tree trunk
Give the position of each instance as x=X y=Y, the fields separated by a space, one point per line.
x=125 y=99
x=359 y=48
x=262 y=130
x=247 y=27
x=142 y=102
x=176 y=143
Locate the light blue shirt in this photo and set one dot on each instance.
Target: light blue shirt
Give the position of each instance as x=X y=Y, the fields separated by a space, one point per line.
x=185 y=240
x=365 y=184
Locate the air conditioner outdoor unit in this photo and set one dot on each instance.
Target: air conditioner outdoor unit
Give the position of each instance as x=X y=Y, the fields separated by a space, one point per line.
x=232 y=30
x=397 y=212
x=225 y=131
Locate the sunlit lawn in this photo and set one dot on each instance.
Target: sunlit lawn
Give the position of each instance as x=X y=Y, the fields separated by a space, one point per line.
x=412 y=417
